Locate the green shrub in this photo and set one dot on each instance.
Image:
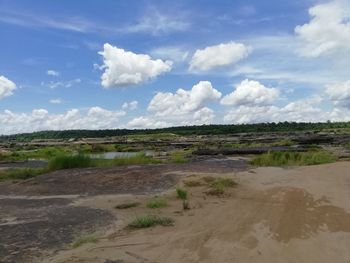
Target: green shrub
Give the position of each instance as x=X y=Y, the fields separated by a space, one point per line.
x=218 y=186
x=293 y=158
x=157 y=203
x=150 y=220
x=181 y=193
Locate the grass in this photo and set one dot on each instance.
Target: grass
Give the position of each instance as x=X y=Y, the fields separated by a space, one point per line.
x=127 y=205
x=192 y=183
x=132 y=160
x=218 y=186
x=70 y=161
x=178 y=157
x=145 y=221
x=293 y=158
x=20 y=174
x=181 y=193
x=84 y=240
x=157 y=203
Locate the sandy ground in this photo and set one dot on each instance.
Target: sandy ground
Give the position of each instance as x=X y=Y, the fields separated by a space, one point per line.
x=274 y=215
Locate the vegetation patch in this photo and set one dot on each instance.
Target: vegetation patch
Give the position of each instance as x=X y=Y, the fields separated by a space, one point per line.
x=131 y=160
x=178 y=157
x=181 y=193
x=293 y=158
x=84 y=240
x=20 y=174
x=145 y=221
x=70 y=161
x=157 y=203
x=127 y=205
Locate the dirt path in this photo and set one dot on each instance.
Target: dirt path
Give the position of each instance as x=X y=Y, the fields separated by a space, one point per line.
x=274 y=215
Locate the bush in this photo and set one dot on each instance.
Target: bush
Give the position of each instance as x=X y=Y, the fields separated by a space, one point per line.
x=150 y=220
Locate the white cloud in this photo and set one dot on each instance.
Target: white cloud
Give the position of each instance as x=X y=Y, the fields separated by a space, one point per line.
x=147 y=123
x=6 y=87
x=124 y=68
x=183 y=101
x=56 y=101
x=173 y=53
x=52 y=73
x=305 y=110
x=328 y=31
x=340 y=93
x=156 y=24
x=202 y=116
x=219 y=55
x=61 y=84
x=41 y=119
x=132 y=105
x=250 y=92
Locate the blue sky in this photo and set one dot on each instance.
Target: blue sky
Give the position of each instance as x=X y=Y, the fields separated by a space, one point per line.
x=146 y=64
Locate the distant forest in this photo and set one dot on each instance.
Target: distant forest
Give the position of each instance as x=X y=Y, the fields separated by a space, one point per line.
x=181 y=130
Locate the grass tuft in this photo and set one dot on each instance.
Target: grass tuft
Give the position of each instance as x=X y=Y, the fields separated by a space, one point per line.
x=157 y=203
x=84 y=240
x=127 y=205
x=145 y=221
x=293 y=158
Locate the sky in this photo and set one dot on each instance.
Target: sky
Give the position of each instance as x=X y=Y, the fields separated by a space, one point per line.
x=89 y=64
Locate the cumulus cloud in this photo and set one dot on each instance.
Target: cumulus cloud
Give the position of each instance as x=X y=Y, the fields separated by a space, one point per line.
x=6 y=87
x=132 y=105
x=250 y=92
x=41 y=119
x=328 y=29
x=219 y=55
x=339 y=93
x=52 y=73
x=124 y=68
x=183 y=101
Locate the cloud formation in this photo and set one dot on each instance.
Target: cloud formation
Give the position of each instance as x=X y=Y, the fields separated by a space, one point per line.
x=41 y=119
x=51 y=72
x=183 y=101
x=339 y=93
x=250 y=92
x=132 y=105
x=218 y=56
x=328 y=30
x=6 y=87
x=124 y=68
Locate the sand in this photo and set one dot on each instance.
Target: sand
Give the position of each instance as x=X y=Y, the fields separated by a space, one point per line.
x=279 y=215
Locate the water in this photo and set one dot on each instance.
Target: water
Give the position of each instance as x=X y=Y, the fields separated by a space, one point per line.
x=113 y=155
